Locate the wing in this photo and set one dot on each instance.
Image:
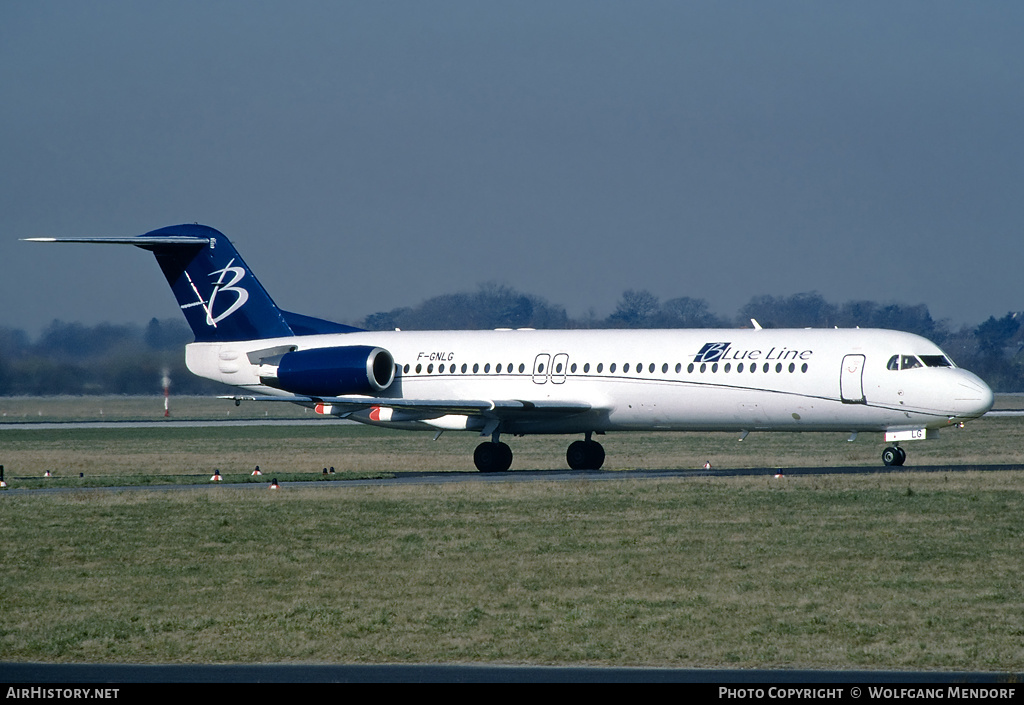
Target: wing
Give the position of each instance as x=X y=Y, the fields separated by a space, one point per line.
x=433 y=408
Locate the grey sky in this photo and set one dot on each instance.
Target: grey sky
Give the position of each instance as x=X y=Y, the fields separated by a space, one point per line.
x=367 y=155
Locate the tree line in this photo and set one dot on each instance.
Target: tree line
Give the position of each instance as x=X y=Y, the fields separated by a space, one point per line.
x=70 y=358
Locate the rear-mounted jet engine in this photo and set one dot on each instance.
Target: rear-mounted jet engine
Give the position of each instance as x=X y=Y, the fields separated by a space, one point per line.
x=331 y=372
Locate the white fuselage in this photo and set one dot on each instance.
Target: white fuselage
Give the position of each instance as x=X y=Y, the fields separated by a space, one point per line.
x=681 y=380
x=554 y=381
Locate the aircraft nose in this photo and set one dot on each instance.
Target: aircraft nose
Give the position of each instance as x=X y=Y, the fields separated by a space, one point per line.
x=973 y=397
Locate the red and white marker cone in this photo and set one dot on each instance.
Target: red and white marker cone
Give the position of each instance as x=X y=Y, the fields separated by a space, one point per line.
x=707 y=465
x=257 y=471
x=216 y=476
x=274 y=485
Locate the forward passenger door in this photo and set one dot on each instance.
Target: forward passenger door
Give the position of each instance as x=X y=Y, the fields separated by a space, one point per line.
x=851 y=380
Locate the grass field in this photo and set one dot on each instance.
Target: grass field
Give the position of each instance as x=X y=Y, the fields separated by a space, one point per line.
x=890 y=571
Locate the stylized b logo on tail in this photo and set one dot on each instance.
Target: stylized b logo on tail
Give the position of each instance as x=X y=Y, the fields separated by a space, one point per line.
x=242 y=295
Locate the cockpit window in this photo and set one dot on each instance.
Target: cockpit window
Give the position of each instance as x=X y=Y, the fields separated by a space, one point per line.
x=909 y=362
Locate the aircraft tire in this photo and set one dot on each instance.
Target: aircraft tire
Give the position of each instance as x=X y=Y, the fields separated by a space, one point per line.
x=894 y=456
x=492 y=457
x=585 y=455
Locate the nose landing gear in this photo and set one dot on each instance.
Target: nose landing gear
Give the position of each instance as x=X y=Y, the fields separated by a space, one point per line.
x=894 y=455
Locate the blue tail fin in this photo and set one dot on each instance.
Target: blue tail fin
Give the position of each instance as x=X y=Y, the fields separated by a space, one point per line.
x=220 y=297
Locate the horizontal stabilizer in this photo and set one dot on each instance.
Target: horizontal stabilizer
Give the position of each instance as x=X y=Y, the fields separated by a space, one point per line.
x=184 y=240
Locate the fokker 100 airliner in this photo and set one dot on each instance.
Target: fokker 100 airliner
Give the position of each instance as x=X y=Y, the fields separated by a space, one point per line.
x=586 y=382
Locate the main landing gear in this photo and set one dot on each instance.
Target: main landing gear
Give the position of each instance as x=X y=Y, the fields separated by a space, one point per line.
x=585 y=455
x=495 y=456
x=894 y=455
x=492 y=456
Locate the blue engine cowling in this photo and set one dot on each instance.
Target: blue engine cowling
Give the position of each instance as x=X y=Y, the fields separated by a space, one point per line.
x=331 y=372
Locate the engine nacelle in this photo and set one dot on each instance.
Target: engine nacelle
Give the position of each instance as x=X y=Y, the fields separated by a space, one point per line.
x=331 y=372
